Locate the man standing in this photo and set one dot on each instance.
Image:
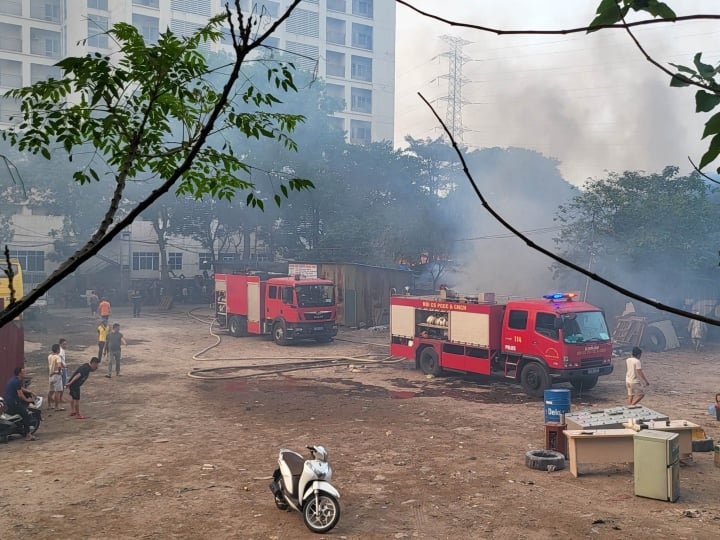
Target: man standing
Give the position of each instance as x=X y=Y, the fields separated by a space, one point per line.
x=115 y=340
x=54 y=367
x=93 y=301
x=102 y=331
x=136 y=299
x=104 y=310
x=76 y=381
x=63 y=369
x=17 y=399
x=634 y=377
x=698 y=331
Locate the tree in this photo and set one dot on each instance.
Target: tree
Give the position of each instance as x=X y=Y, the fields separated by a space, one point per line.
x=625 y=224
x=125 y=110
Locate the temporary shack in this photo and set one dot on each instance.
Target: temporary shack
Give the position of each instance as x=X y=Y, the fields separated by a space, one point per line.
x=363 y=292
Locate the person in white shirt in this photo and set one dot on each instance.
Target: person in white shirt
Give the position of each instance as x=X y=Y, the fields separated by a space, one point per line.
x=63 y=370
x=634 y=378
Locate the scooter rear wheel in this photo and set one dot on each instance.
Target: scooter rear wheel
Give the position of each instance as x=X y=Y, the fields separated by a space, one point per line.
x=321 y=512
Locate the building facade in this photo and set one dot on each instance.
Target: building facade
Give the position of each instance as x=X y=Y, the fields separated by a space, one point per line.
x=348 y=43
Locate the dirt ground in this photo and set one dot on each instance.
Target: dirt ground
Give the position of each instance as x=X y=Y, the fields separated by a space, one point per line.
x=164 y=455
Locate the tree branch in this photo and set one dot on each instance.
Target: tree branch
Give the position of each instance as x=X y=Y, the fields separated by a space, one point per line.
x=577 y=30
x=700 y=172
x=680 y=76
x=93 y=247
x=548 y=253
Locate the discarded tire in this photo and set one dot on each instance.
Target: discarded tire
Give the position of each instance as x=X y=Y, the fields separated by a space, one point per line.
x=545 y=460
x=702 y=445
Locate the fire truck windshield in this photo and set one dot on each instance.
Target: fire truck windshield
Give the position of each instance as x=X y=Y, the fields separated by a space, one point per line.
x=584 y=326
x=315 y=295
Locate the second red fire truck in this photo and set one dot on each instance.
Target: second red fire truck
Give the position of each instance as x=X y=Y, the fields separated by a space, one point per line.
x=288 y=308
x=534 y=342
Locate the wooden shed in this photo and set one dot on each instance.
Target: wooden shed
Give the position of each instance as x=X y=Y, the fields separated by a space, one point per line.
x=363 y=292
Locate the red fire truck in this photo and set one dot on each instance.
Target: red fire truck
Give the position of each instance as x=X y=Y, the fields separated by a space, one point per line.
x=288 y=308
x=536 y=342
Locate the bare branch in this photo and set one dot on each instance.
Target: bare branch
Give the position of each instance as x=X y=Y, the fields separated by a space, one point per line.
x=662 y=68
x=700 y=172
x=577 y=30
x=548 y=253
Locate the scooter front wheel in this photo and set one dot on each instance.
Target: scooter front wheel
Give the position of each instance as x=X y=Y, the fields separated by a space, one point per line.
x=321 y=512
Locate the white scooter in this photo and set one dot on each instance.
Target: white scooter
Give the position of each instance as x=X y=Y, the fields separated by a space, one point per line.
x=304 y=485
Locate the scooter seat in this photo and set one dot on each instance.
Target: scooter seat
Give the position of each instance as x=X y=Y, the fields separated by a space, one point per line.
x=294 y=462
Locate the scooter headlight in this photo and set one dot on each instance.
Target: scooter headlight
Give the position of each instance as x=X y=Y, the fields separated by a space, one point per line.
x=320 y=469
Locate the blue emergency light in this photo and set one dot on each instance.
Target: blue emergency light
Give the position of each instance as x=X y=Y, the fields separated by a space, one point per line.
x=560 y=296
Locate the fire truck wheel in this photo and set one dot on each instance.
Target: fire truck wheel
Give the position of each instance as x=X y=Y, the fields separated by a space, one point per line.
x=234 y=326
x=653 y=339
x=429 y=362
x=584 y=383
x=534 y=379
x=279 y=334
x=545 y=460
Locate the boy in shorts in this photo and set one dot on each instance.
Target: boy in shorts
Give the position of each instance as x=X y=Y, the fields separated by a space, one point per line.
x=76 y=381
x=634 y=377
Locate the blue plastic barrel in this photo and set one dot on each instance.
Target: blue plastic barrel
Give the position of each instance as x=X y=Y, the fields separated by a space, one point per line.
x=557 y=402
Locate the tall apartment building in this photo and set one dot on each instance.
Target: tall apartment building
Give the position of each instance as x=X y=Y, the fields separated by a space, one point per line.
x=349 y=43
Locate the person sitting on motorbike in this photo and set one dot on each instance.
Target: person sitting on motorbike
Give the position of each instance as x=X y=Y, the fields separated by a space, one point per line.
x=17 y=400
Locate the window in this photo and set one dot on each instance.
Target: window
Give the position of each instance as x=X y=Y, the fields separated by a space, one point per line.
x=517 y=320
x=175 y=261
x=12 y=7
x=273 y=291
x=337 y=123
x=335 y=31
x=97 y=26
x=545 y=325
x=335 y=91
x=361 y=68
x=304 y=23
x=46 y=10
x=43 y=72
x=147 y=26
x=143 y=260
x=360 y=132
x=9 y=110
x=362 y=36
x=205 y=261
x=266 y=8
x=364 y=8
x=10 y=74
x=361 y=100
x=336 y=5
x=45 y=42
x=147 y=3
x=335 y=64
x=30 y=261
x=98 y=4
x=10 y=37
x=192 y=6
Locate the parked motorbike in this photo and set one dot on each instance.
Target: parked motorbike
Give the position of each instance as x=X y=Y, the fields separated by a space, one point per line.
x=12 y=424
x=304 y=485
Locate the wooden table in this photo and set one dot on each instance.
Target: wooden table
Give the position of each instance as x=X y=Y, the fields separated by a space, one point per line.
x=683 y=428
x=589 y=446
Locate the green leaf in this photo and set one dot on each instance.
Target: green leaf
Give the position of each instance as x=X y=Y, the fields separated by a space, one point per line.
x=712 y=126
x=679 y=81
x=608 y=12
x=705 y=101
x=712 y=152
x=45 y=153
x=705 y=71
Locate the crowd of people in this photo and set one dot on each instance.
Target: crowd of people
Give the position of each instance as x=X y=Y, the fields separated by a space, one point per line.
x=110 y=344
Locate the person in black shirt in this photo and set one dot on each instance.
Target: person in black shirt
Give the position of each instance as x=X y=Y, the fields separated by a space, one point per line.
x=76 y=381
x=17 y=399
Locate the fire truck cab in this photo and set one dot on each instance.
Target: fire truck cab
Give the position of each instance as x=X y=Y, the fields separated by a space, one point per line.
x=288 y=308
x=535 y=342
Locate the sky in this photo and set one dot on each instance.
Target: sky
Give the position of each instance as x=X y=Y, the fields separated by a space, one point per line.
x=590 y=101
